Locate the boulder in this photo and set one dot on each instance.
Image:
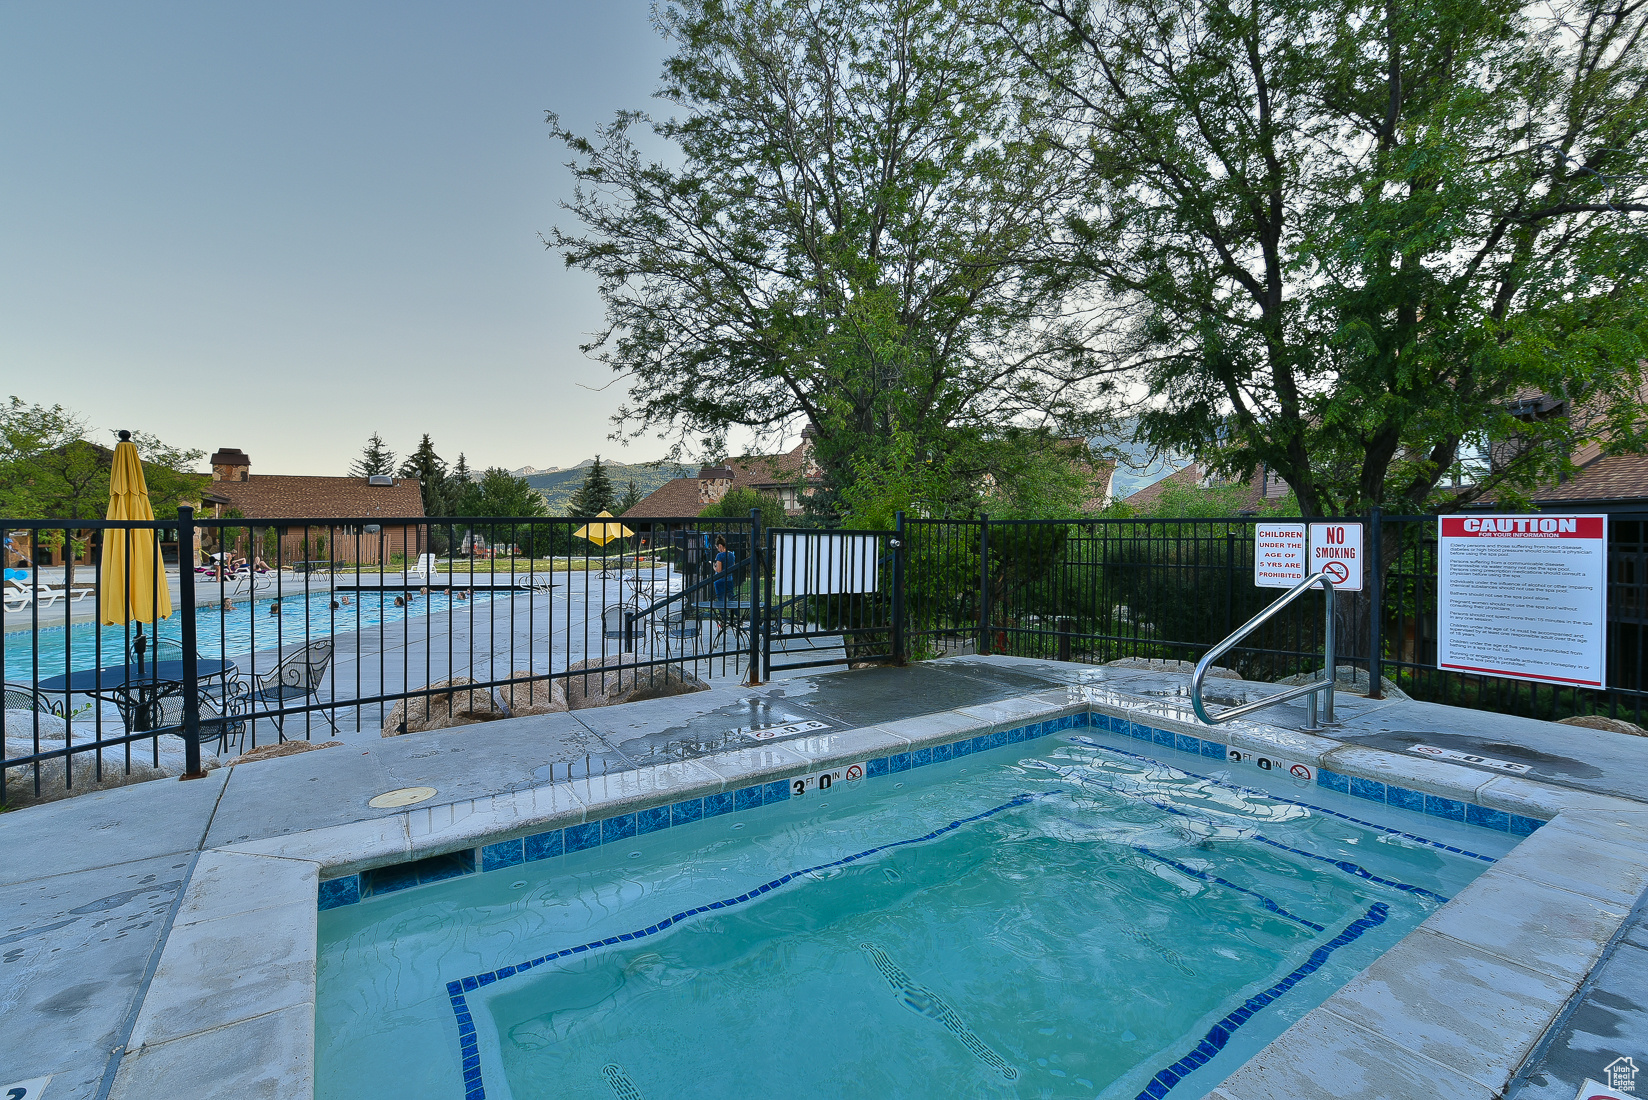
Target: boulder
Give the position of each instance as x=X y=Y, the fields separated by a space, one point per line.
x=1157 y=664
x=532 y=697
x=281 y=748
x=586 y=687
x=1609 y=725
x=443 y=709
x=84 y=776
x=1349 y=680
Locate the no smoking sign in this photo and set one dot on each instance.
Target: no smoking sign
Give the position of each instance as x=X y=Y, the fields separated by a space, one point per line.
x=1336 y=549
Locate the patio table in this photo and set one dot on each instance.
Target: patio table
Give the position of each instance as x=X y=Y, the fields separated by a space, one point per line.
x=148 y=681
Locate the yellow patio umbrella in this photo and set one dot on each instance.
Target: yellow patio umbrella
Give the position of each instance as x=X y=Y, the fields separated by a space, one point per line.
x=134 y=578
x=602 y=533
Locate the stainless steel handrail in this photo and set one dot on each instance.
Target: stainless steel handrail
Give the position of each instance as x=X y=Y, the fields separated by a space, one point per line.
x=1311 y=689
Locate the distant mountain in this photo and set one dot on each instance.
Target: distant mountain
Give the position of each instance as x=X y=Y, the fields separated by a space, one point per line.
x=558 y=486
x=528 y=471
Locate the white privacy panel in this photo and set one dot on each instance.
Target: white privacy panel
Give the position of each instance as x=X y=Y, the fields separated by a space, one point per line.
x=823 y=564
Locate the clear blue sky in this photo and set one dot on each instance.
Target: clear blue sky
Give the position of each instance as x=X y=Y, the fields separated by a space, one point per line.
x=283 y=226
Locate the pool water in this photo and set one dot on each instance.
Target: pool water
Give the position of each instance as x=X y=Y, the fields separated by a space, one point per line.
x=1072 y=921
x=233 y=634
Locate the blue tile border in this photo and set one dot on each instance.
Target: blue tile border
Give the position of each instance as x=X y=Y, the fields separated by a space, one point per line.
x=587 y=835
x=1219 y=1034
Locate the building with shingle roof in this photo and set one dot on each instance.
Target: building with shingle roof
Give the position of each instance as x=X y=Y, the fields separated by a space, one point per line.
x=344 y=517
x=790 y=477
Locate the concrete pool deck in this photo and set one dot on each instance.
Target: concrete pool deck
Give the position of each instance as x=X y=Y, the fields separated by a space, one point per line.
x=162 y=937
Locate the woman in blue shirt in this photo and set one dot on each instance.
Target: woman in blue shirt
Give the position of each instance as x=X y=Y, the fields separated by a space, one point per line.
x=724 y=562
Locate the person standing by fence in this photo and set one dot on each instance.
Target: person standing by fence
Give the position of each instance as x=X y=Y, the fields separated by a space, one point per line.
x=723 y=567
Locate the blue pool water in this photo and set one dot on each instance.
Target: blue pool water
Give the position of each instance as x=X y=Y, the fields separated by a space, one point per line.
x=248 y=628
x=1060 y=918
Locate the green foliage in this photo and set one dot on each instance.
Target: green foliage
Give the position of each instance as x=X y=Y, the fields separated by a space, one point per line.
x=860 y=228
x=48 y=470
x=375 y=459
x=596 y=495
x=1217 y=501
x=1011 y=473
x=632 y=496
x=738 y=503
x=1352 y=236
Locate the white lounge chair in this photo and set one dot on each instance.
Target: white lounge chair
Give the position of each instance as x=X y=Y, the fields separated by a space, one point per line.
x=425 y=569
x=19 y=595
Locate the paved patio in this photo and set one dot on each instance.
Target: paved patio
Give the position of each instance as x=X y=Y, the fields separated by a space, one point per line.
x=94 y=885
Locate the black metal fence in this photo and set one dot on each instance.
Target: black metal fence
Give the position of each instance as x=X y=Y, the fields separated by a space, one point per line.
x=294 y=629
x=291 y=629
x=1099 y=590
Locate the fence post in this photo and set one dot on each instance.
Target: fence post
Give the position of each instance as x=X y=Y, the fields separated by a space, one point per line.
x=1376 y=610
x=984 y=584
x=756 y=616
x=900 y=657
x=191 y=659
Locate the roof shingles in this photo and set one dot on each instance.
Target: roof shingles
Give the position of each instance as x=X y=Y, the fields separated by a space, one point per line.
x=293 y=496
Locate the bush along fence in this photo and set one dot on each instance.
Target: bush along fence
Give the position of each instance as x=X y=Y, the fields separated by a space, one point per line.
x=294 y=629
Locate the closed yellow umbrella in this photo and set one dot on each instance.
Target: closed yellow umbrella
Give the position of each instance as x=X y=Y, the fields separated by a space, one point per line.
x=134 y=579
x=602 y=533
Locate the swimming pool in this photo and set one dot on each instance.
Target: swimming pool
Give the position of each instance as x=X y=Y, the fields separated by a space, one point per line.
x=233 y=634
x=1061 y=917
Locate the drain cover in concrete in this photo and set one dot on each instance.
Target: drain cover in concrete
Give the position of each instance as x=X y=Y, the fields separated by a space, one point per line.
x=406 y=796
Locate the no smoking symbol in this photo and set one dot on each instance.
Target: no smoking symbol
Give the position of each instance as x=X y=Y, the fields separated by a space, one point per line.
x=1337 y=572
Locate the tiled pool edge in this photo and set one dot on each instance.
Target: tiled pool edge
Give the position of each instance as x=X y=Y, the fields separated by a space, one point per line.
x=275 y=1044
x=502 y=831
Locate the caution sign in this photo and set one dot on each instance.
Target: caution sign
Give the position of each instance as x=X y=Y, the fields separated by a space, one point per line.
x=1523 y=597
x=1278 y=554
x=1336 y=549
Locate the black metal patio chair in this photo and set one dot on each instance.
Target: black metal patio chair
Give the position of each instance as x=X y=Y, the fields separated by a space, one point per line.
x=158 y=705
x=297 y=677
x=27 y=697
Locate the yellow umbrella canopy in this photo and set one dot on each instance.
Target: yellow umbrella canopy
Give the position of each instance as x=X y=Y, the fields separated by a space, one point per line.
x=602 y=533
x=134 y=579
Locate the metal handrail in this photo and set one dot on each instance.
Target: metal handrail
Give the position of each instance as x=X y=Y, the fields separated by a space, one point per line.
x=1311 y=689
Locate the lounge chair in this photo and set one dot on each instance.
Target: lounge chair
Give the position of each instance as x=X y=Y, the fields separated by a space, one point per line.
x=20 y=594
x=425 y=569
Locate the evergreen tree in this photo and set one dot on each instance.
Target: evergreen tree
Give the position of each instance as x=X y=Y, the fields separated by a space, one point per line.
x=430 y=470
x=632 y=497
x=375 y=459
x=460 y=489
x=596 y=496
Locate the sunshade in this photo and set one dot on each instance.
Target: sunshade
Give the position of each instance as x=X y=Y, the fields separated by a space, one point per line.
x=602 y=533
x=134 y=580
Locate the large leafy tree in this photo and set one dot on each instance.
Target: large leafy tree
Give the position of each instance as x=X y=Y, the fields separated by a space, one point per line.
x=50 y=470
x=859 y=230
x=1373 y=246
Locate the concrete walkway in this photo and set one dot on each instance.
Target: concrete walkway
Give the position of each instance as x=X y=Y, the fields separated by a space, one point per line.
x=92 y=885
